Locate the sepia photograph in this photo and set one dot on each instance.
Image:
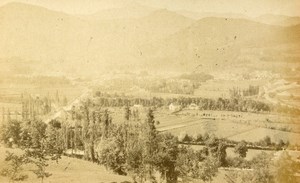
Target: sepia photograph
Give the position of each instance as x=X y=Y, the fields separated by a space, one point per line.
x=149 y=91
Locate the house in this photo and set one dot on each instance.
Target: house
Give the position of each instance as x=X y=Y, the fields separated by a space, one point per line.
x=174 y=107
x=137 y=106
x=193 y=106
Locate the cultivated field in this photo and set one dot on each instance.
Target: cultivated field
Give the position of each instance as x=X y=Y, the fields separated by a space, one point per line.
x=257 y=134
x=220 y=88
x=236 y=126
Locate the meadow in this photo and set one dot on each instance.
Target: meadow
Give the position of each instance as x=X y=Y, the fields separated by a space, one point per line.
x=236 y=126
x=67 y=170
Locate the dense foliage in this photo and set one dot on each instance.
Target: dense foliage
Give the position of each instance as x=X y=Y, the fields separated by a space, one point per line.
x=133 y=148
x=39 y=142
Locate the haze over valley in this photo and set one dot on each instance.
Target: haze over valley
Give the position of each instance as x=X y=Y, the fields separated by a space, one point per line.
x=149 y=91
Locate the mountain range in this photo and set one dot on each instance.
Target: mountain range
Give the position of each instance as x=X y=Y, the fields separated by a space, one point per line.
x=134 y=37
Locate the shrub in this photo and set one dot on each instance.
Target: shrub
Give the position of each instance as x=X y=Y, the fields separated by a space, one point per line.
x=15 y=167
x=241 y=149
x=10 y=133
x=237 y=162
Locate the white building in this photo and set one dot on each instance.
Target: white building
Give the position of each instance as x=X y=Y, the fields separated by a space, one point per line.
x=174 y=107
x=193 y=106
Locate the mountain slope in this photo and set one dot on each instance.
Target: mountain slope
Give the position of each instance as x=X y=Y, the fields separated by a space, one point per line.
x=60 y=40
x=200 y=15
x=66 y=43
x=218 y=41
x=278 y=20
x=27 y=30
x=132 y=10
x=160 y=24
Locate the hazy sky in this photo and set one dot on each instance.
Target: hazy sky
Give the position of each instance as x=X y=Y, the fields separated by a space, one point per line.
x=248 y=7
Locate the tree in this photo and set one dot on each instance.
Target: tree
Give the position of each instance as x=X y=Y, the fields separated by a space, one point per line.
x=106 y=123
x=53 y=142
x=111 y=155
x=15 y=167
x=39 y=158
x=40 y=143
x=269 y=169
x=221 y=154
x=238 y=162
x=127 y=113
x=286 y=168
x=217 y=149
x=208 y=169
x=165 y=158
x=261 y=169
x=241 y=149
x=184 y=137
x=39 y=155
x=150 y=141
x=244 y=176
x=212 y=145
x=10 y=133
x=134 y=160
x=267 y=140
x=33 y=132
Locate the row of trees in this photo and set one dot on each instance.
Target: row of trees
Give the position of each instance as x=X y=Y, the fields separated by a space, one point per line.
x=239 y=93
x=264 y=143
x=33 y=107
x=221 y=104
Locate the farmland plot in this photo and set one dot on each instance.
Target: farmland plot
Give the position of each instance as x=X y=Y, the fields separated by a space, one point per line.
x=221 y=129
x=275 y=135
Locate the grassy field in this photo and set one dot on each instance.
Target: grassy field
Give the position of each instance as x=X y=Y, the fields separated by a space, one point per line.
x=233 y=125
x=275 y=135
x=221 y=129
x=68 y=170
x=215 y=89
x=237 y=126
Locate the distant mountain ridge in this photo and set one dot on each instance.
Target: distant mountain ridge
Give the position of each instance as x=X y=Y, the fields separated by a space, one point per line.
x=200 y=15
x=218 y=41
x=70 y=43
x=132 y=10
x=278 y=20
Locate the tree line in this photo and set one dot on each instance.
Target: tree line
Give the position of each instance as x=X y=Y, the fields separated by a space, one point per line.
x=263 y=144
x=133 y=148
x=33 y=107
x=222 y=104
x=237 y=104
